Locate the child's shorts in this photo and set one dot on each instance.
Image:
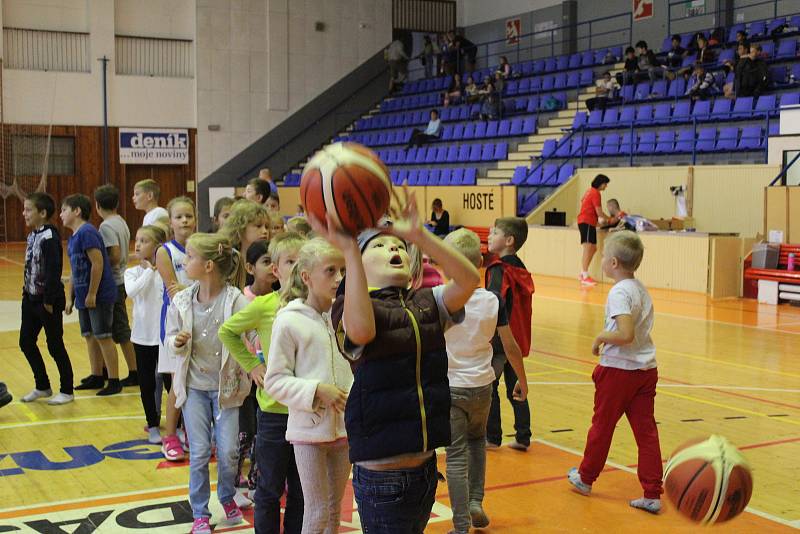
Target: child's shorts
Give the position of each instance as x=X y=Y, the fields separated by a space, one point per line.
x=96 y=321
x=120 y=327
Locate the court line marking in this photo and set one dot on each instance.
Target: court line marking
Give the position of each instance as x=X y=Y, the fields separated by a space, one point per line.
x=688 y=386
x=13 y=262
x=73 y=420
x=675 y=315
x=692 y=399
x=754 y=511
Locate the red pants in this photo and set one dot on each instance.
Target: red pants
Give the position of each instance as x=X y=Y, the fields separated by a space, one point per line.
x=632 y=393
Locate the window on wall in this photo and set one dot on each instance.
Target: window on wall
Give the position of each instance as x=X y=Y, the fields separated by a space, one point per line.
x=28 y=153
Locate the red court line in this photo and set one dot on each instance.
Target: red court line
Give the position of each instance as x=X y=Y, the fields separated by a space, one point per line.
x=769 y=443
x=667 y=379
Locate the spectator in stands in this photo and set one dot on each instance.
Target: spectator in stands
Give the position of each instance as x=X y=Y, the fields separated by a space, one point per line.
x=440 y=219
x=647 y=62
x=492 y=106
x=676 y=53
x=605 y=92
x=741 y=38
x=449 y=54
x=453 y=93
x=257 y=190
x=752 y=79
x=705 y=55
x=503 y=69
x=717 y=37
x=266 y=175
x=701 y=83
x=426 y=57
x=398 y=64
x=588 y=218
x=471 y=91
x=467 y=53
x=438 y=48
x=431 y=133
x=628 y=74
x=499 y=83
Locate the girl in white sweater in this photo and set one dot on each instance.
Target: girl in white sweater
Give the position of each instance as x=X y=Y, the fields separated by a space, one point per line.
x=144 y=286
x=306 y=373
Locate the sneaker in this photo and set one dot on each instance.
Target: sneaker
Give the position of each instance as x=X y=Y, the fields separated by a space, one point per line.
x=517 y=446
x=490 y=445
x=37 y=394
x=201 y=526
x=171 y=448
x=61 y=398
x=5 y=396
x=93 y=382
x=575 y=479
x=588 y=281
x=112 y=388
x=233 y=515
x=648 y=505
x=242 y=500
x=153 y=435
x=131 y=380
x=478 y=516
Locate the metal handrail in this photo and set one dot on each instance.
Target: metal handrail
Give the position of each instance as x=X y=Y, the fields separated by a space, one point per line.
x=782 y=175
x=717 y=13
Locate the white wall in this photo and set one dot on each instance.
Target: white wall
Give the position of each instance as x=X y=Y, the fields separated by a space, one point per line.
x=39 y=97
x=470 y=12
x=260 y=60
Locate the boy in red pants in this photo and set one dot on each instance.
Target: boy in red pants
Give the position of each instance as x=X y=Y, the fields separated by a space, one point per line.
x=625 y=380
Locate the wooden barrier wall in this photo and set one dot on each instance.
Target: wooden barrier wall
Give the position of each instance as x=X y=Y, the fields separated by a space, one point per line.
x=782 y=212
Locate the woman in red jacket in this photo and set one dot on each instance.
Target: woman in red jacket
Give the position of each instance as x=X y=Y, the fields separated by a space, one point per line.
x=591 y=210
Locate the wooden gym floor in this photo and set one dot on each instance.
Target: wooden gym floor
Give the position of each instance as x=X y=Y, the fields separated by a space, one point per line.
x=730 y=367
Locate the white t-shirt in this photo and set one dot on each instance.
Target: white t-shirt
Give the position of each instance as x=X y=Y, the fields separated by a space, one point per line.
x=153 y=215
x=630 y=297
x=145 y=288
x=469 y=344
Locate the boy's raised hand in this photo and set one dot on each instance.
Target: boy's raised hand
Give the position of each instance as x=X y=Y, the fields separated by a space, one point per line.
x=333 y=233
x=406 y=223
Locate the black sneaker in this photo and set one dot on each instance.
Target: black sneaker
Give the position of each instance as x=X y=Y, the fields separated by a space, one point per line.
x=112 y=388
x=86 y=378
x=131 y=380
x=94 y=382
x=5 y=396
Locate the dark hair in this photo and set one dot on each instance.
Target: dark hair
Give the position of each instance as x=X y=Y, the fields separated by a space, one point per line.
x=599 y=180
x=630 y=50
x=676 y=37
x=607 y=73
x=261 y=186
x=516 y=227
x=43 y=202
x=745 y=44
x=437 y=202
x=256 y=250
x=81 y=202
x=434 y=110
x=107 y=197
x=641 y=44
x=743 y=32
x=274 y=196
x=221 y=204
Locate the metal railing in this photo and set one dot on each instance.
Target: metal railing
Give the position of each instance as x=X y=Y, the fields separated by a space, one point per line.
x=718 y=16
x=781 y=178
x=602 y=32
x=151 y=56
x=46 y=50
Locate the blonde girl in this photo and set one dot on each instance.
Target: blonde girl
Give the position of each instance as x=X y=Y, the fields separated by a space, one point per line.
x=145 y=288
x=247 y=223
x=209 y=385
x=306 y=373
x=169 y=263
x=276 y=224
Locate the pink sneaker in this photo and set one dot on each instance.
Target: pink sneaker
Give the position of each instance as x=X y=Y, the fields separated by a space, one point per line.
x=588 y=281
x=201 y=526
x=233 y=515
x=171 y=448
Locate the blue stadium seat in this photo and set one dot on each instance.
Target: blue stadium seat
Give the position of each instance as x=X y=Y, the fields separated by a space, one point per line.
x=422 y=154
x=588 y=58
x=644 y=114
x=487 y=152
x=422 y=177
x=480 y=130
x=751 y=139
x=535 y=176
x=520 y=175
x=662 y=113
x=778 y=75
x=705 y=139
x=565 y=173
x=573 y=79
x=562 y=148
x=533 y=104
x=529 y=126
x=790 y=99
x=469 y=131
x=684 y=141
x=548 y=148
x=743 y=106
x=768 y=49
x=452 y=154
x=444 y=177
x=470 y=176
x=457 y=176
x=727 y=140
x=595 y=118
x=504 y=128
x=666 y=142
x=628 y=143
x=594 y=147
x=733 y=31
x=647 y=143
x=677 y=88
x=682 y=112
x=536 y=84
x=474 y=152
x=659 y=89
x=412 y=177
x=626 y=93
x=430 y=156
x=729 y=54
x=524 y=86
x=579 y=119
x=560 y=81
x=574 y=61
x=463 y=153
x=402 y=176
x=576 y=147
x=550 y=174
x=775 y=24
x=765 y=104
x=587 y=78
x=611 y=144
x=627 y=115
x=491 y=128
x=642 y=90
x=538 y=66
x=701 y=109
x=721 y=109
x=433 y=179
x=562 y=62
x=548 y=83
x=500 y=151
x=610 y=118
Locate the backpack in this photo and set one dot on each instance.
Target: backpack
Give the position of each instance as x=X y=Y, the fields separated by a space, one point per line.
x=520 y=282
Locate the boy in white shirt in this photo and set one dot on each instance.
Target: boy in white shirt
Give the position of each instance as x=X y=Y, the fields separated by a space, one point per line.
x=626 y=378
x=470 y=373
x=145 y=198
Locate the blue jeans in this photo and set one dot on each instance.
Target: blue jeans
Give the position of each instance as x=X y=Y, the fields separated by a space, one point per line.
x=395 y=502
x=199 y=413
x=277 y=472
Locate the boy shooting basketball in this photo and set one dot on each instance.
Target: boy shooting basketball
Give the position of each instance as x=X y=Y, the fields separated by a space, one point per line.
x=625 y=380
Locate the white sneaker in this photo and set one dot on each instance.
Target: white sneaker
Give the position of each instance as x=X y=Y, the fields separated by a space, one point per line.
x=241 y=500
x=37 y=394
x=153 y=435
x=61 y=398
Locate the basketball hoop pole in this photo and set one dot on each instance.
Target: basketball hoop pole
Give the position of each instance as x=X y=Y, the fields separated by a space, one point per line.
x=104 y=60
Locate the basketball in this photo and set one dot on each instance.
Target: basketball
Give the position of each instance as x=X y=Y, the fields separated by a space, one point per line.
x=708 y=480
x=348 y=181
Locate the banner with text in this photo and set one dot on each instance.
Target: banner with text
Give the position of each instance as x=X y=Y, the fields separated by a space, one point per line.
x=153 y=146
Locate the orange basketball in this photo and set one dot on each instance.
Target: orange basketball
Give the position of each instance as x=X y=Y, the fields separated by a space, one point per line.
x=348 y=181
x=708 y=480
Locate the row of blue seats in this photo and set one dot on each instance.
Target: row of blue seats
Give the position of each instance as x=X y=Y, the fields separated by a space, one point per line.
x=757 y=29
x=532 y=104
x=720 y=109
x=547 y=174
x=452 y=132
x=448 y=176
x=562 y=80
x=526 y=201
x=663 y=142
x=474 y=152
